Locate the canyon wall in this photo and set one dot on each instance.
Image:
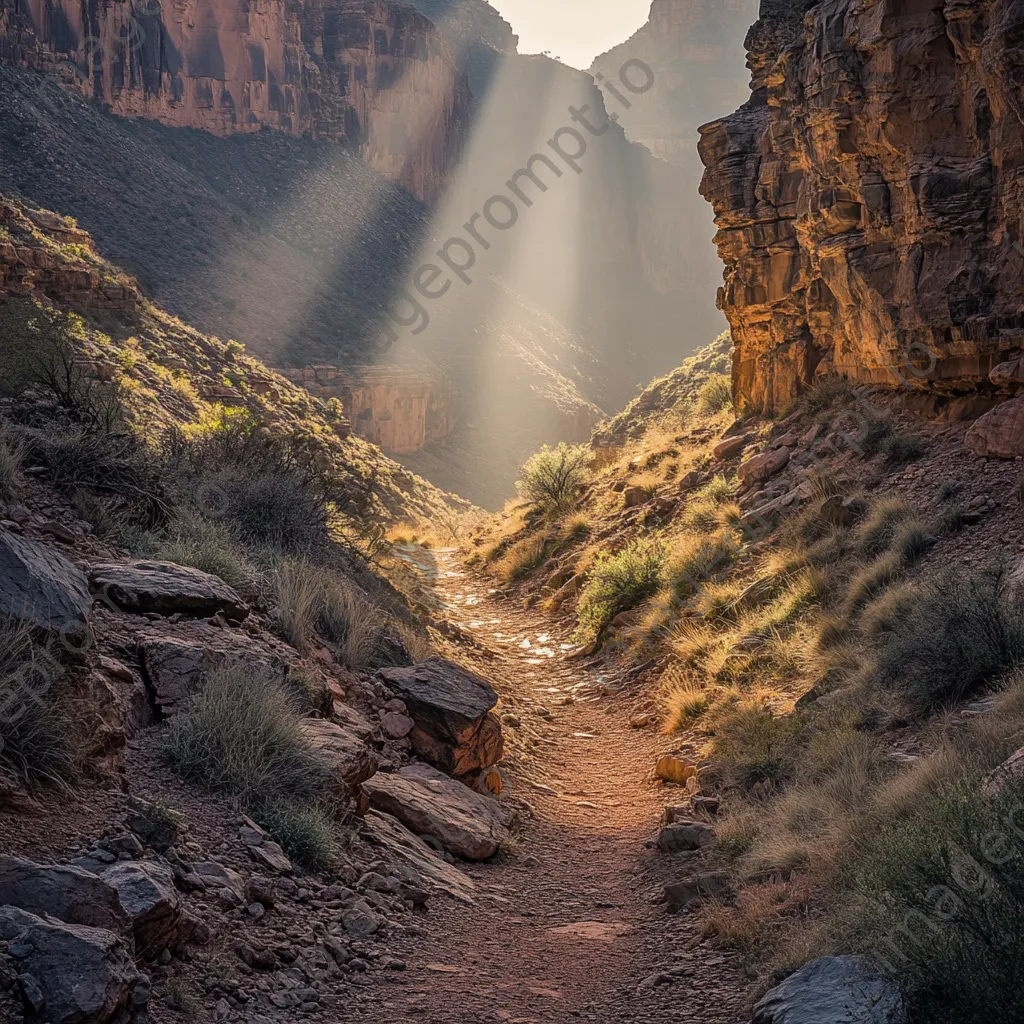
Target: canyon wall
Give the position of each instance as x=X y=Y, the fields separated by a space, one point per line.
x=401 y=409
x=869 y=197
x=374 y=73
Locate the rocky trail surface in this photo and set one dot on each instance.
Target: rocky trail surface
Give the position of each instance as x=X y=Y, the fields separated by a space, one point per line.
x=568 y=922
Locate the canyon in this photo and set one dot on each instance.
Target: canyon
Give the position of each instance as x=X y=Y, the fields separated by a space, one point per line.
x=374 y=74
x=867 y=199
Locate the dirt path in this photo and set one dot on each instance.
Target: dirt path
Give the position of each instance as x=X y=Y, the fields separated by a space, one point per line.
x=567 y=925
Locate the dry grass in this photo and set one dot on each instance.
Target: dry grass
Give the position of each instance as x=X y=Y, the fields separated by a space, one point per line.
x=13 y=449
x=683 y=700
x=521 y=557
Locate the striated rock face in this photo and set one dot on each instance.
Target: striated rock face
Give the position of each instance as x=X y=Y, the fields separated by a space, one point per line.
x=375 y=73
x=868 y=196
x=400 y=409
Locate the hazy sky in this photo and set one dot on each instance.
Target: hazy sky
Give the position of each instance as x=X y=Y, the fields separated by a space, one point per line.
x=575 y=30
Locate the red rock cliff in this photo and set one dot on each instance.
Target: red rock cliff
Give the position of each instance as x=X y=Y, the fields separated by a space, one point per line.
x=868 y=197
x=373 y=72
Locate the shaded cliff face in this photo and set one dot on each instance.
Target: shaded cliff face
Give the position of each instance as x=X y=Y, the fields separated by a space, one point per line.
x=376 y=74
x=868 y=197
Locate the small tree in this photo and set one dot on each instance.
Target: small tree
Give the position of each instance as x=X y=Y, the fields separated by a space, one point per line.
x=554 y=477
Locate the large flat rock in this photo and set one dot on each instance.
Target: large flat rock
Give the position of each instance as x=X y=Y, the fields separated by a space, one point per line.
x=353 y=761
x=164 y=588
x=42 y=588
x=450 y=707
x=434 y=806
x=84 y=975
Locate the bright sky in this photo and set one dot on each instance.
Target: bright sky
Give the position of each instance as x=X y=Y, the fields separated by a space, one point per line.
x=575 y=30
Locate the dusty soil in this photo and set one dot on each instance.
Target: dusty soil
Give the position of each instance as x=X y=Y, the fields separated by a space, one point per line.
x=568 y=923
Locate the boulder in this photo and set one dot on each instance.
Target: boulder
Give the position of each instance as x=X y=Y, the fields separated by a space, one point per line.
x=353 y=761
x=164 y=588
x=1009 y=374
x=833 y=990
x=421 y=860
x=42 y=588
x=730 y=446
x=450 y=706
x=80 y=975
x=433 y=805
x=360 y=921
x=633 y=497
x=177 y=667
x=685 y=835
x=396 y=726
x=674 y=769
x=66 y=893
x=147 y=893
x=1000 y=432
x=760 y=467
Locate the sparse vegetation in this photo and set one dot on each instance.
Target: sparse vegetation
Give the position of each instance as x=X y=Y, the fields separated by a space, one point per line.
x=554 y=477
x=715 y=395
x=13 y=449
x=617 y=583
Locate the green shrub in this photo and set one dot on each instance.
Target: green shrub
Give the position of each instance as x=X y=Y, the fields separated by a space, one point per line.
x=715 y=395
x=244 y=737
x=617 y=583
x=754 y=746
x=695 y=560
x=938 y=641
x=554 y=477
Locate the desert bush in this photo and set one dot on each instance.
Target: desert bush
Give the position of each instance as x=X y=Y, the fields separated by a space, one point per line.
x=826 y=392
x=525 y=554
x=696 y=559
x=939 y=640
x=308 y=833
x=683 y=700
x=40 y=740
x=315 y=602
x=901 y=448
x=554 y=477
x=617 y=583
x=13 y=449
x=754 y=746
x=211 y=546
x=715 y=395
x=942 y=894
x=243 y=736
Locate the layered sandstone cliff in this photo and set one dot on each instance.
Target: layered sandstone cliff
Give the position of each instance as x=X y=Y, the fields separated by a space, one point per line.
x=375 y=73
x=868 y=196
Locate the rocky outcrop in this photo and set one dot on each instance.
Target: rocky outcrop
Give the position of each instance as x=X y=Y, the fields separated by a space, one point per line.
x=451 y=708
x=147 y=894
x=79 y=975
x=374 y=73
x=41 y=588
x=400 y=409
x=867 y=197
x=832 y=990
x=349 y=757
x=435 y=806
x=164 y=588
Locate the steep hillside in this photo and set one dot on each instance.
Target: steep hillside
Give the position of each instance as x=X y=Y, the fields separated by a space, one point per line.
x=820 y=617
x=365 y=71
x=887 y=254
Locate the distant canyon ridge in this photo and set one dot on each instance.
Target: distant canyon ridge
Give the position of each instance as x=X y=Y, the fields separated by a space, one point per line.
x=337 y=139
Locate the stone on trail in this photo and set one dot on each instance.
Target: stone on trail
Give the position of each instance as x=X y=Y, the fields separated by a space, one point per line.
x=351 y=759
x=430 y=803
x=833 y=990
x=69 y=894
x=147 y=893
x=81 y=975
x=42 y=588
x=391 y=835
x=685 y=835
x=675 y=769
x=451 y=708
x=164 y=588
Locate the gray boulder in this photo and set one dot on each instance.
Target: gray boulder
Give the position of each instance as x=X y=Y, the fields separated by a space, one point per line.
x=66 y=893
x=685 y=835
x=147 y=893
x=454 y=729
x=833 y=990
x=68 y=973
x=41 y=587
x=164 y=588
